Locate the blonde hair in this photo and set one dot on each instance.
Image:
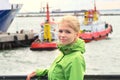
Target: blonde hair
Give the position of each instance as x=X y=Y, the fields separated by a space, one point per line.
x=72 y=21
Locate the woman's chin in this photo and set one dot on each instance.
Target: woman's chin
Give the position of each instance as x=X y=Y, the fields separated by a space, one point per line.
x=64 y=43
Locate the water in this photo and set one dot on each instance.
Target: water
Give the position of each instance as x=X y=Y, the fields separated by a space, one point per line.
x=102 y=57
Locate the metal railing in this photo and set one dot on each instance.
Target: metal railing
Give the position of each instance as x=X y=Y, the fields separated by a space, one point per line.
x=87 y=77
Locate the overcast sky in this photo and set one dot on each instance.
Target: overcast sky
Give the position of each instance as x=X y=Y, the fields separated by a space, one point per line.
x=35 y=5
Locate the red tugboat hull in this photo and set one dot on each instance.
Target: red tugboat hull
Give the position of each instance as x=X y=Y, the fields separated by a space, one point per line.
x=90 y=36
x=43 y=46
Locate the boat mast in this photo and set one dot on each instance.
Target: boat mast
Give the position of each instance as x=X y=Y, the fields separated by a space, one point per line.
x=95 y=13
x=94 y=5
x=47 y=13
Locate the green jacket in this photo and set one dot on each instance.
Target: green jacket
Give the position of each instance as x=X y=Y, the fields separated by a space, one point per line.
x=69 y=65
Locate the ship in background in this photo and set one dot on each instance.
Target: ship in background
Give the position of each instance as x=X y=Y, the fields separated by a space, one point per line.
x=7 y=14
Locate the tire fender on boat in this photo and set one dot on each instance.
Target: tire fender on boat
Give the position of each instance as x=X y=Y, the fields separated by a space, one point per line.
x=111 y=29
x=93 y=38
x=100 y=36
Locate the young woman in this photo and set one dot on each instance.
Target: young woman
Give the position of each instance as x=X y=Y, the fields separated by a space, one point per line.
x=70 y=64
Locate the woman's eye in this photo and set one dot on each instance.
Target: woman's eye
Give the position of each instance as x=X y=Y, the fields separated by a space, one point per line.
x=60 y=31
x=67 y=31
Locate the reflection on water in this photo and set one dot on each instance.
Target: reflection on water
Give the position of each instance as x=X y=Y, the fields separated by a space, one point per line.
x=102 y=57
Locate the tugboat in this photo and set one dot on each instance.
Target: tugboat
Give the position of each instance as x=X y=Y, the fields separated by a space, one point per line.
x=92 y=28
x=46 y=39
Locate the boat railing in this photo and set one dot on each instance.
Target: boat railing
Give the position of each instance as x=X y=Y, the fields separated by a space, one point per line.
x=87 y=77
x=16 y=6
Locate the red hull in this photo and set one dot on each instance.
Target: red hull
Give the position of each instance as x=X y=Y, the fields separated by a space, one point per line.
x=43 y=46
x=87 y=37
x=90 y=36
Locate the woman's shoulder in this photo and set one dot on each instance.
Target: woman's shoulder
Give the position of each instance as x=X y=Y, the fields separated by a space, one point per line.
x=77 y=55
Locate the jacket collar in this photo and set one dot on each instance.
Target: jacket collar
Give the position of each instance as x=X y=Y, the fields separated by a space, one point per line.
x=79 y=45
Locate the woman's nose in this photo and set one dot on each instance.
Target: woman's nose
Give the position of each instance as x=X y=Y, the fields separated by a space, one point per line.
x=63 y=34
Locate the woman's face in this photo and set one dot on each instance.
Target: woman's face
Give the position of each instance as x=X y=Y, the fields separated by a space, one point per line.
x=66 y=34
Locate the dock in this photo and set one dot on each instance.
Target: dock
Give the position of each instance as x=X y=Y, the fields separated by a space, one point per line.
x=14 y=40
